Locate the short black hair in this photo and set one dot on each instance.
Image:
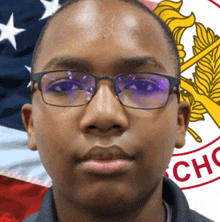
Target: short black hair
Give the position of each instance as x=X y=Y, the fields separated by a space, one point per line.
x=168 y=34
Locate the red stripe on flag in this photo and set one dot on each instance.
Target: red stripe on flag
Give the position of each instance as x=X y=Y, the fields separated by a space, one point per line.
x=150 y=4
x=19 y=199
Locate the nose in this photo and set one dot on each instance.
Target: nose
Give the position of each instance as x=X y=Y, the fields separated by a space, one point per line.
x=104 y=113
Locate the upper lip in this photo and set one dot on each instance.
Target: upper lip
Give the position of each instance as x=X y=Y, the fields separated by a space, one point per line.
x=113 y=152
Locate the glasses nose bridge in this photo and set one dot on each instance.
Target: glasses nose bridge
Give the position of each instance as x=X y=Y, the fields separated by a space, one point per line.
x=105 y=77
x=108 y=78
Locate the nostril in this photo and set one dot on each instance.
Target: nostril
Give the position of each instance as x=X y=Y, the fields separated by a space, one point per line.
x=91 y=127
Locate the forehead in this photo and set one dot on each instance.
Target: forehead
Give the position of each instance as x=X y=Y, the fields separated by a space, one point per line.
x=110 y=30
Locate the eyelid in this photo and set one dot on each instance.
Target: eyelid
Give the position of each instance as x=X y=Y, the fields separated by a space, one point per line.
x=51 y=84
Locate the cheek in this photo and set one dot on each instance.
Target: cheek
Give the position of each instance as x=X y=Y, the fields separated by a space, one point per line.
x=47 y=140
x=156 y=133
x=54 y=132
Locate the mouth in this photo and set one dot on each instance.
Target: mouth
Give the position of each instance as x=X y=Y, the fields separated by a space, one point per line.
x=107 y=167
x=110 y=160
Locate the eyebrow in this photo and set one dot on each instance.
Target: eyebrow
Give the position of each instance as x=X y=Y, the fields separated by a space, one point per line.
x=67 y=62
x=136 y=62
x=78 y=63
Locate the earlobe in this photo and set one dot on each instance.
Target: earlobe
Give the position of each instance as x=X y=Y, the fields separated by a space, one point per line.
x=26 y=114
x=183 y=117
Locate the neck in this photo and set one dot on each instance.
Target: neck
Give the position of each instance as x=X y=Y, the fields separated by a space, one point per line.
x=148 y=209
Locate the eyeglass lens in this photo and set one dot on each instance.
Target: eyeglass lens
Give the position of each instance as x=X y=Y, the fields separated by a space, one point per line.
x=138 y=90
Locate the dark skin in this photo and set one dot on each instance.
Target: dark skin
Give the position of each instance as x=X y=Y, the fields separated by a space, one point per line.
x=102 y=33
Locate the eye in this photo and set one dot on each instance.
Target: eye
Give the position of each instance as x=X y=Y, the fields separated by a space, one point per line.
x=65 y=86
x=142 y=85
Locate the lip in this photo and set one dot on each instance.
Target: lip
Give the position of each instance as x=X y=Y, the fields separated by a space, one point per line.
x=113 y=152
x=106 y=160
x=107 y=167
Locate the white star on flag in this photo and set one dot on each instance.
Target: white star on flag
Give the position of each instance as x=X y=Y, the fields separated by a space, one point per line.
x=29 y=69
x=50 y=8
x=9 y=31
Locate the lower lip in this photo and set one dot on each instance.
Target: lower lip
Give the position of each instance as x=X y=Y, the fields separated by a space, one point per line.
x=106 y=166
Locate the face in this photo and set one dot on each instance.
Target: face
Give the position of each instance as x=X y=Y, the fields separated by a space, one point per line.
x=96 y=37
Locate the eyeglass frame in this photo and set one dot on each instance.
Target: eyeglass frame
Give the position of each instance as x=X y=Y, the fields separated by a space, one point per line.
x=173 y=81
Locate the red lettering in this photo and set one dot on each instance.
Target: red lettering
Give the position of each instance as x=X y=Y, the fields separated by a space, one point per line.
x=166 y=174
x=214 y=156
x=198 y=167
x=175 y=171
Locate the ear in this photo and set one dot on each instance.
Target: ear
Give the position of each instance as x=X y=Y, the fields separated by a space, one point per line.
x=183 y=117
x=27 y=119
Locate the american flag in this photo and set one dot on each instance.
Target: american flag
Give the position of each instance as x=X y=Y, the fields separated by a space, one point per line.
x=20 y=25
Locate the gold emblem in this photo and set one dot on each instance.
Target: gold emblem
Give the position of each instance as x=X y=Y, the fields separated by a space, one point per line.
x=203 y=94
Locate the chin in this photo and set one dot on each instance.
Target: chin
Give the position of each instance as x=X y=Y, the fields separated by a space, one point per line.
x=109 y=209
x=112 y=205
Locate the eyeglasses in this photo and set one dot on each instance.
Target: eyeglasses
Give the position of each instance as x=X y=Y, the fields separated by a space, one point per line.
x=72 y=88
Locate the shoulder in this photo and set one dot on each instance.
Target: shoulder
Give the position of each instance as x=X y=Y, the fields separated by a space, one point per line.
x=47 y=210
x=173 y=195
x=31 y=218
x=195 y=216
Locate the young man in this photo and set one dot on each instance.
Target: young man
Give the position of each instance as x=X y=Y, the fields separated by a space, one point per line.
x=104 y=138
